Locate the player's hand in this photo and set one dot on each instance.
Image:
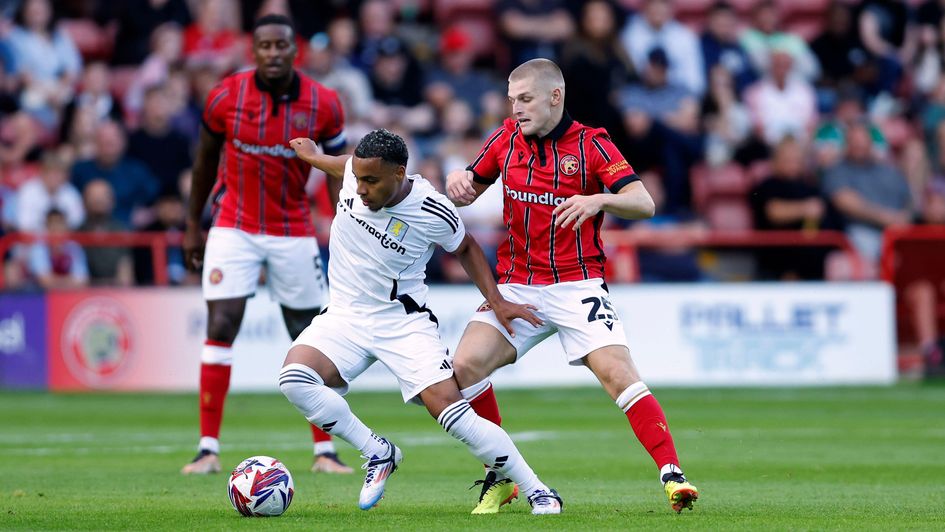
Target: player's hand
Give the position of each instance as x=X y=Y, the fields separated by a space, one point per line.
x=576 y=210
x=304 y=147
x=506 y=311
x=459 y=187
x=193 y=245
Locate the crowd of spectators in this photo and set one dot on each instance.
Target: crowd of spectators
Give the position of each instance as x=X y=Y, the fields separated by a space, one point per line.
x=750 y=114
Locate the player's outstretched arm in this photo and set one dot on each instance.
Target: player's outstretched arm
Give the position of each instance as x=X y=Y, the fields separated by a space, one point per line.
x=204 y=175
x=461 y=189
x=332 y=165
x=632 y=202
x=474 y=261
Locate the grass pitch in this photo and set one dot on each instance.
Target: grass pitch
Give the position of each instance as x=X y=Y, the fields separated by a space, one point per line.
x=849 y=458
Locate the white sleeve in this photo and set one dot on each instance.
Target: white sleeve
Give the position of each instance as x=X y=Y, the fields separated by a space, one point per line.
x=446 y=228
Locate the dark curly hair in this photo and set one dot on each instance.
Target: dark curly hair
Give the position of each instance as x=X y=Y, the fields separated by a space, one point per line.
x=381 y=143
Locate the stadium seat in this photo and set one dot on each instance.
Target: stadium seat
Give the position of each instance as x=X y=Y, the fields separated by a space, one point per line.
x=807 y=27
x=728 y=180
x=729 y=214
x=451 y=11
x=92 y=41
x=15 y=175
x=120 y=79
x=790 y=8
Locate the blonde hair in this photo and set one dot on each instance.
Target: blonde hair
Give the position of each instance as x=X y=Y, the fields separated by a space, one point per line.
x=544 y=72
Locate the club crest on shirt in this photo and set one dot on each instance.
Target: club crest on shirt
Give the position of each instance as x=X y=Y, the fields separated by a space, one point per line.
x=216 y=275
x=300 y=120
x=397 y=228
x=569 y=165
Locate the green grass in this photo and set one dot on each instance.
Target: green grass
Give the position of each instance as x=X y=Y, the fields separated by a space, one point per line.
x=850 y=458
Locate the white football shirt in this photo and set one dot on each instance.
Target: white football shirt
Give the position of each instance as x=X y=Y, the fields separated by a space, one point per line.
x=376 y=256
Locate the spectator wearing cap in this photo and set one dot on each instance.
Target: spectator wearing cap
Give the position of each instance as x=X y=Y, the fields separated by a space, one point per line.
x=654 y=27
x=662 y=123
x=454 y=76
x=534 y=28
x=720 y=46
x=391 y=81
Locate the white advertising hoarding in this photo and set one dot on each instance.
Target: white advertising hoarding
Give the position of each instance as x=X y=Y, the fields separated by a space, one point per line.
x=785 y=334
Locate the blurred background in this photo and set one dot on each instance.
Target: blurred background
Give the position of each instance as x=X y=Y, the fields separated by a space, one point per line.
x=787 y=140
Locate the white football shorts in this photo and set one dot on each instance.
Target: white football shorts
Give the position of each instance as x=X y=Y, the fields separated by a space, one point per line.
x=408 y=344
x=579 y=311
x=233 y=258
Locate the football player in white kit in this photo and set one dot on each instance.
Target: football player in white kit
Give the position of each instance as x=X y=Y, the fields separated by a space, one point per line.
x=383 y=234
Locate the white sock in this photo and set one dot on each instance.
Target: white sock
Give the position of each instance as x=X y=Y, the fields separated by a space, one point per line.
x=208 y=443
x=490 y=444
x=670 y=468
x=475 y=390
x=631 y=395
x=322 y=406
x=324 y=447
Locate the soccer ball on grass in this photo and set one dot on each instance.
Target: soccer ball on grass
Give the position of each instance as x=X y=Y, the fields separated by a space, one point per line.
x=260 y=486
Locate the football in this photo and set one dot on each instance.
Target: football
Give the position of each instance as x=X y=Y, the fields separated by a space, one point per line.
x=260 y=486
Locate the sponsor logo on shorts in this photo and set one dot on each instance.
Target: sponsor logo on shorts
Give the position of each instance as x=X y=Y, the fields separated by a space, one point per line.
x=545 y=198
x=97 y=341
x=569 y=165
x=484 y=307
x=216 y=276
x=398 y=228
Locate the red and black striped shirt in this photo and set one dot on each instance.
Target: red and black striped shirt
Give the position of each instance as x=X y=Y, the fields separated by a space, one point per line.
x=539 y=174
x=260 y=184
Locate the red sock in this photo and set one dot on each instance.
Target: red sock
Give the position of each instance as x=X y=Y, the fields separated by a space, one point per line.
x=214 y=383
x=319 y=435
x=649 y=424
x=486 y=406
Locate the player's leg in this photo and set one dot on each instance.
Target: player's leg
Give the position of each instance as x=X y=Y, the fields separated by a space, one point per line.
x=488 y=442
x=224 y=317
x=481 y=350
x=484 y=347
x=614 y=368
x=326 y=457
x=313 y=382
x=231 y=271
x=296 y=280
x=592 y=334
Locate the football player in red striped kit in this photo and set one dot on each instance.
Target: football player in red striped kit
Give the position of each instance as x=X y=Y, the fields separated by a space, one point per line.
x=261 y=214
x=559 y=179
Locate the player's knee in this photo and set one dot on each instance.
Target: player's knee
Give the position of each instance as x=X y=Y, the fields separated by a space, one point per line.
x=222 y=327
x=468 y=372
x=296 y=382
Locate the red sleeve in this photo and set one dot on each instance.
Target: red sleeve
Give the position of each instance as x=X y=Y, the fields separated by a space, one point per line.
x=485 y=167
x=608 y=164
x=331 y=123
x=214 y=112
